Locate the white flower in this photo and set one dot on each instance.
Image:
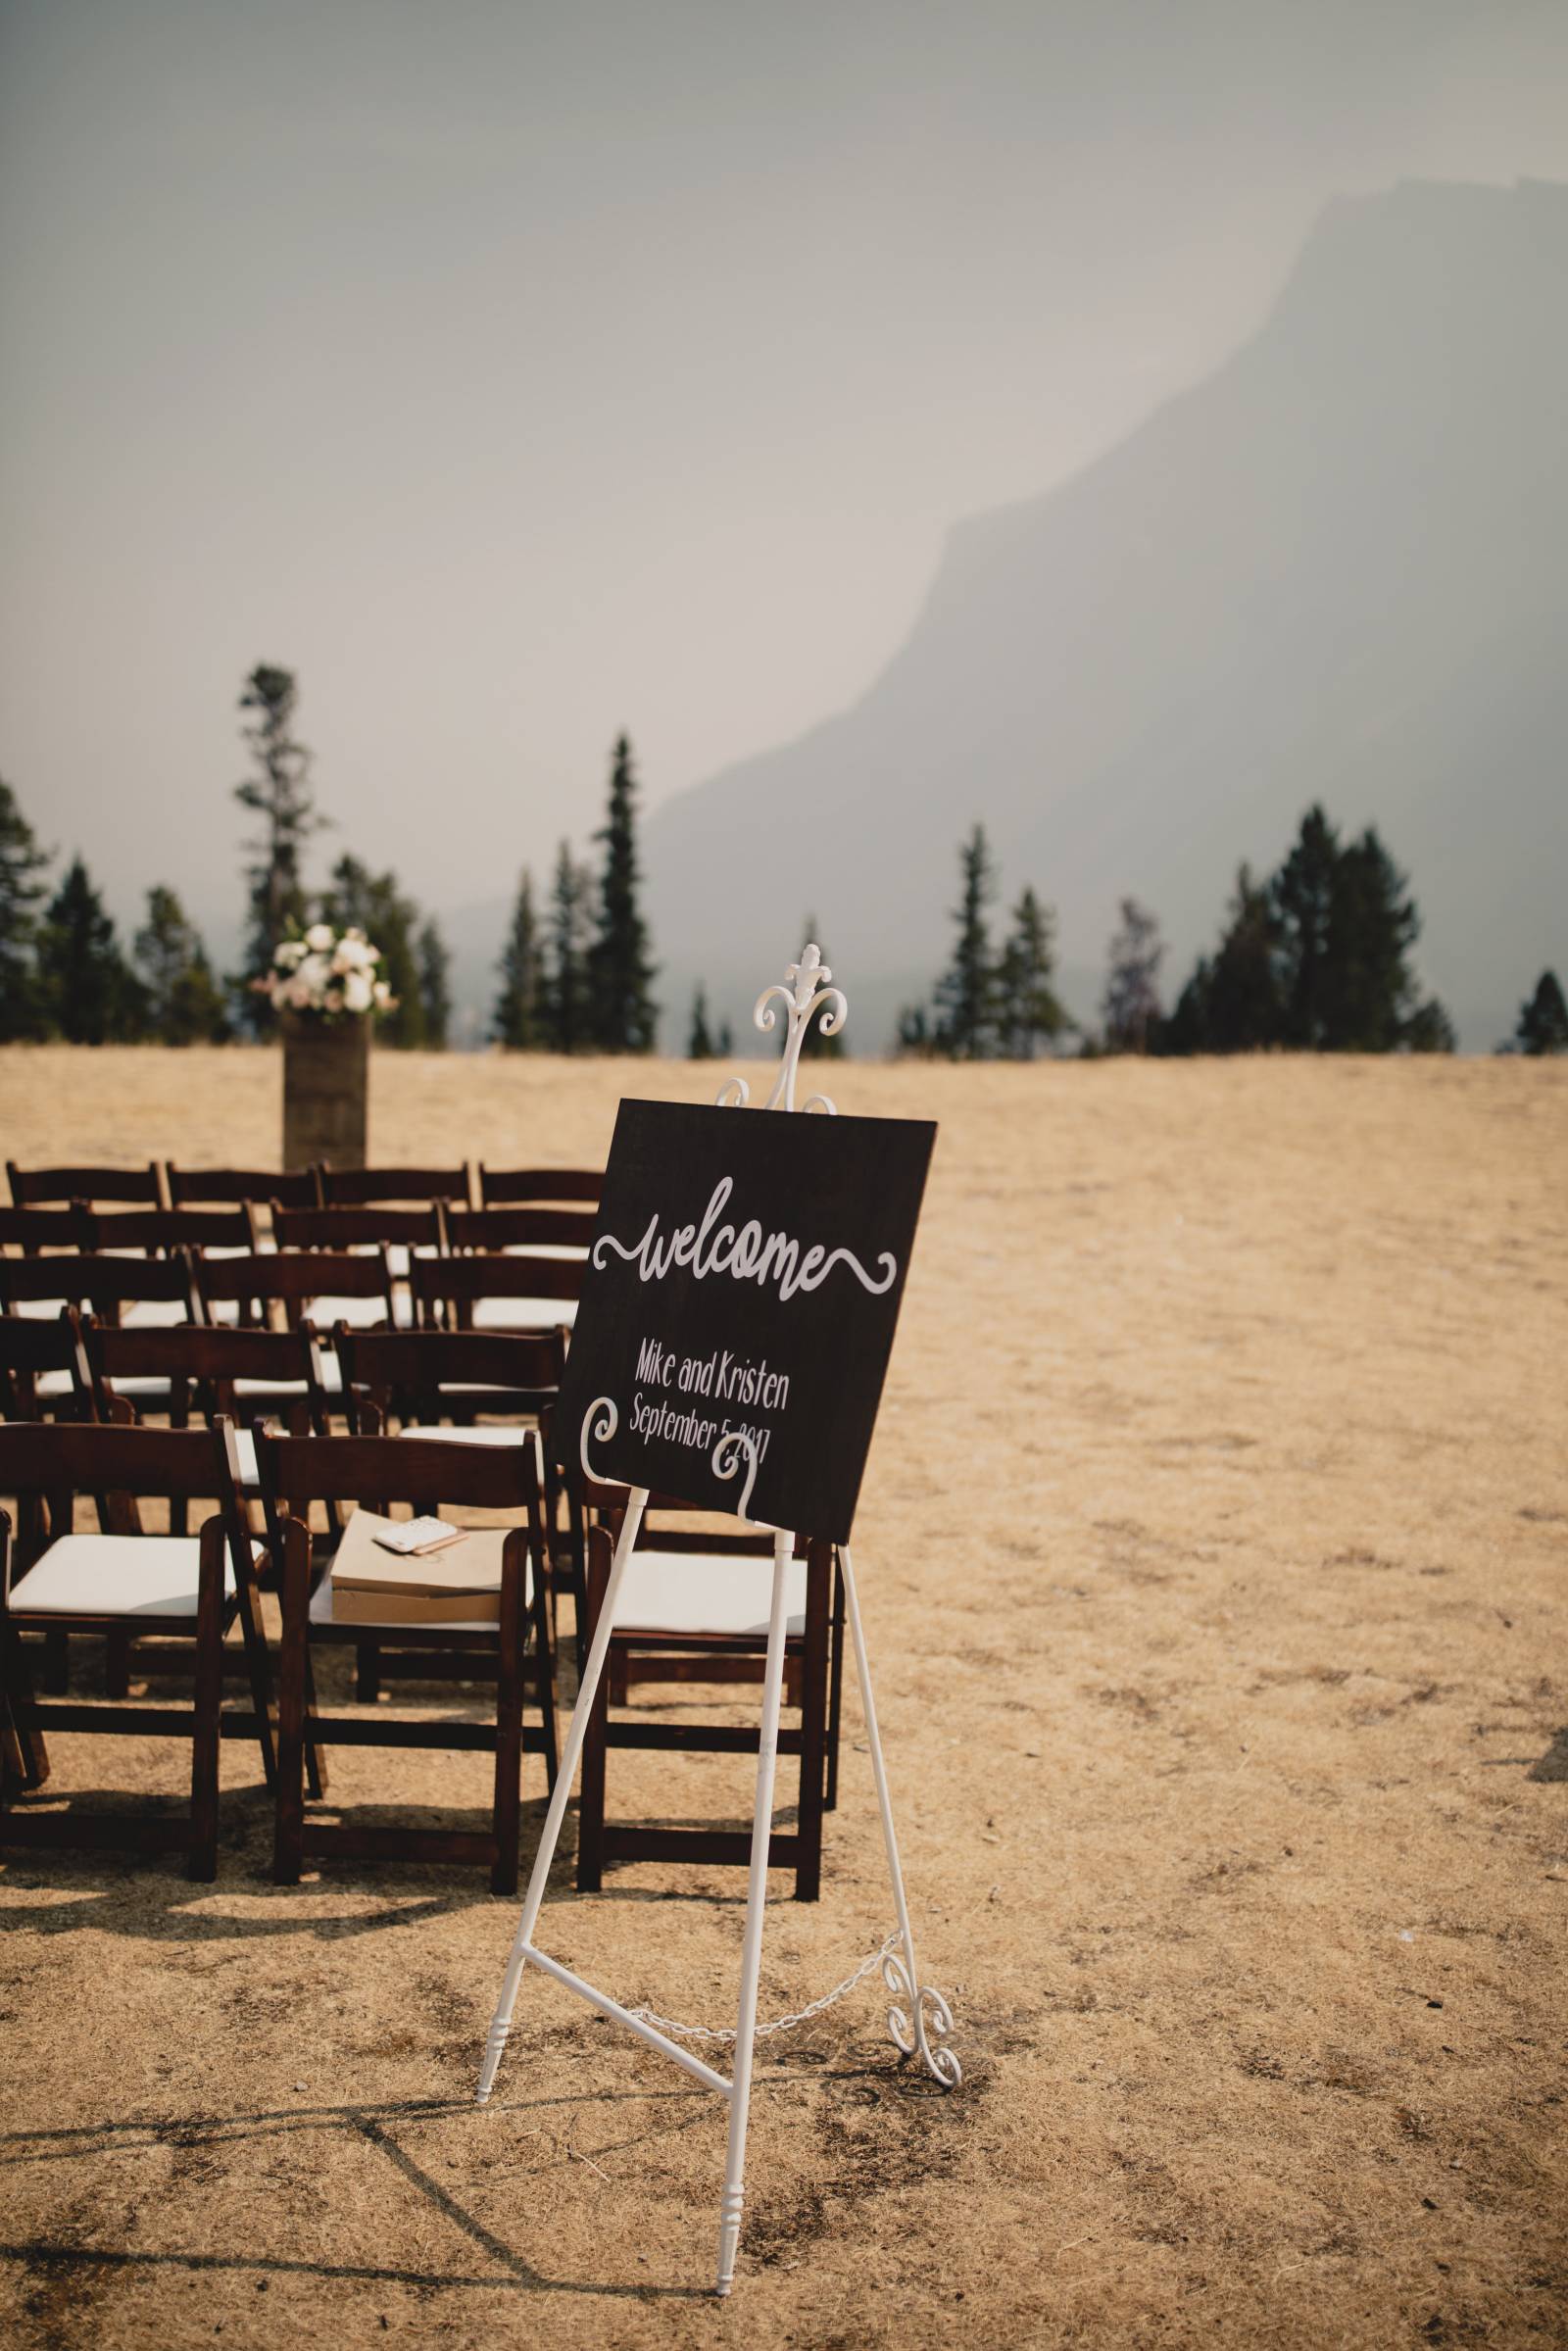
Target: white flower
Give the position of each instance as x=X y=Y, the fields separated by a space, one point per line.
x=382 y=994
x=354 y=953
x=289 y=953
x=297 y=996
x=357 y=992
x=319 y=938
x=313 y=975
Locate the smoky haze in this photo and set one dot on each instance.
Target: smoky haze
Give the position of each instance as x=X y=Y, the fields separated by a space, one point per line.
x=515 y=375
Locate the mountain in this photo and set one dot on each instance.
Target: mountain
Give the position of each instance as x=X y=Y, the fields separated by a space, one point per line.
x=1337 y=569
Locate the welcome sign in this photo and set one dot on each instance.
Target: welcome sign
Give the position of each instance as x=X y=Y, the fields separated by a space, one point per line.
x=744 y=1285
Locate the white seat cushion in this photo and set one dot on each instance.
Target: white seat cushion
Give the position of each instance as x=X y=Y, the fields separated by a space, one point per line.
x=523 y=1314
x=703 y=1592
x=153 y=1313
x=117 y=1575
x=51 y=1386
x=359 y=1314
x=331 y=1380
x=440 y=1435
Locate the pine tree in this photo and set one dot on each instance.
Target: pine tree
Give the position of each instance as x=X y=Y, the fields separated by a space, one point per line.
x=966 y=994
x=1429 y=1030
x=568 y=1002
x=21 y=861
x=435 y=985
x=1242 y=1011
x=1369 y=984
x=281 y=794
x=623 y=1013
x=517 y=1018
x=183 y=1003
x=698 y=1042
x=821 y=1047
x=725 y=1042
x=1308 y=903
x=90 y=996
x=1543 y=1020
x=1187 y=1031
x=914 y=1033
x=1131 y=1009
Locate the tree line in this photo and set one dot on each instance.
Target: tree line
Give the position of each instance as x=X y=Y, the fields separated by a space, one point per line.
x=1315 y=958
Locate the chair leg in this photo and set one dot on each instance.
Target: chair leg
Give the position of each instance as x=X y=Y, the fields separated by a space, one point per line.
x=368 y=1672
x=813 y=1724
x=316 y=1771
x=506 y=1807
x=835 y=1697
x=209 y=1700
x=293 y=1673
x=56 y=1675
x=591 y=1795
x=24 y=1754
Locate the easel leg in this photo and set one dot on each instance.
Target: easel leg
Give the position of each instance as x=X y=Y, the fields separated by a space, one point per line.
x=729 y=2224
x=902 y=1976
x=501 y=2022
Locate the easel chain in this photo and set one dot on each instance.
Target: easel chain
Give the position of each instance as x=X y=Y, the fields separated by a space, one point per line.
x=782 y=2024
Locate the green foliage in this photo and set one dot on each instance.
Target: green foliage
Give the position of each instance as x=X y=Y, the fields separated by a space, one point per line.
x=568 y=999
x=698 y=1042
x=1317 y=960
x=1131 y=1009
x=281 y=795
x=374 y=903
x=622 y=1012
x=966 y=994
x=183 y=1003
x=89 y=995
x=820 y=1048
x=435 y=984
x=1542 y=1026
x=22 y=861
x=517 y=1019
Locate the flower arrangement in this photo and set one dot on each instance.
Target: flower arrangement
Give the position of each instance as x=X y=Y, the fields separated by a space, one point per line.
x=331 y=973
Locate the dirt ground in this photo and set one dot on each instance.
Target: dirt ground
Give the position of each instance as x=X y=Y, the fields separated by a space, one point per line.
x=1213 y=1554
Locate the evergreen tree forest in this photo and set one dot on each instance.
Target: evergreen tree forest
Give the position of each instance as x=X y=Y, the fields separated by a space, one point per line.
x=992 y=1003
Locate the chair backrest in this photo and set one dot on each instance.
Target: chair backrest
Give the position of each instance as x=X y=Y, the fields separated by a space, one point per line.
x=520 y=1228
x=457 y=1284
x=32 y=1185
x=30 y=1345
x=539 y=1185
x=293 y=1282
x=103 y=1284
x=209 y=1359
x=57 y=1461
x=371 y=1227
x=379 y=1471
x=405 y=1372
x=355 y=1187
x=208 y=1184
x=33 y=1229
x=157 y=1231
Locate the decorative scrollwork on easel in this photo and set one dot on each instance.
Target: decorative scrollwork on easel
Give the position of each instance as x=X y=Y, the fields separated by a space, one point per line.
x=803 y=991
x=732 y=1448
x=908 y=2025
x=600 y=1421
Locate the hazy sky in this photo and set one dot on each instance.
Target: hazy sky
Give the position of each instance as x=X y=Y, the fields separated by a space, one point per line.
x=519 y=374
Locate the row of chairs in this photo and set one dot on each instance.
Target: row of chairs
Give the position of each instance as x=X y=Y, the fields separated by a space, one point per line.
x=161 y=1184
x=696 y=1604
x=435 y=1228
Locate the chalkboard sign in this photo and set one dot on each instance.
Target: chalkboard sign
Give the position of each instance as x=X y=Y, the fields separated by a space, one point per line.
x=744 y=1282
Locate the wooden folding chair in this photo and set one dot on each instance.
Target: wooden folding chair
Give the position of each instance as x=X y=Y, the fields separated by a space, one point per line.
x=320 y=1286
x=567 y=1232
x=188 y=1587
x=373 y=1472
x=34 y=1187
x=537 y=1186
x=129 y=1290
x=357 y=1187
x=690 y=1603
x=43 y=1368
x=158 y=1232
x=208 y=1186
x=34 y=1230
x=495 y=1292
x=211 y=1370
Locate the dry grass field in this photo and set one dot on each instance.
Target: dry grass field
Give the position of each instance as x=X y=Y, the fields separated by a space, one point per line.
x=1214 y=1549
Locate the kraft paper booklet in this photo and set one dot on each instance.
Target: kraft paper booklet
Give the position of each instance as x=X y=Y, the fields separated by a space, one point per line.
x=458 y=1583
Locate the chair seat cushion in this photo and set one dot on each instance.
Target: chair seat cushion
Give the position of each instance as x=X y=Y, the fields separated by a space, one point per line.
x=153 y=1313
x=331 y=1382
x=433 y=1432
x=523 y=1314
x=703 y=1592
x=117 y=1575
x=359 y=1314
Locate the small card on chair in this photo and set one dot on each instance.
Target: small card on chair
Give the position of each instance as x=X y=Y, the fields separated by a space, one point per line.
x=412 y=1537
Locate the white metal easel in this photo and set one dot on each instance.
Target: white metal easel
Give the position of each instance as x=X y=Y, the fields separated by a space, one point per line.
x=921 y=2020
